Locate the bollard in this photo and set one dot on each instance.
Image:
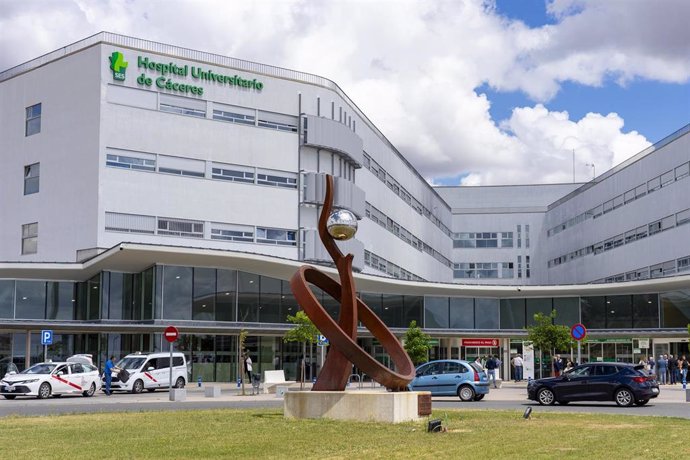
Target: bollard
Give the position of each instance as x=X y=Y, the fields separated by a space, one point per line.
x=198 y=381
x=239 y=383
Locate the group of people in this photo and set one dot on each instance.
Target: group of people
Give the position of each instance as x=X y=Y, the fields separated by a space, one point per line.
x=668 y=369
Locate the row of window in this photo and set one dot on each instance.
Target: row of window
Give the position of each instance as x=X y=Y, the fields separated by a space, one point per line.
x=185 y=228
x=400 y=231
x=399 y=190
x=668 y=222
x=189 y=167
x=667 y=268
x=664 y=180
x=379 y=263
x=233 y=114
x=483 y=240
x=483 y=270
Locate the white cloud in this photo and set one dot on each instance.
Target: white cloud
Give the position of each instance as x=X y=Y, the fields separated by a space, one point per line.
x=414 y=67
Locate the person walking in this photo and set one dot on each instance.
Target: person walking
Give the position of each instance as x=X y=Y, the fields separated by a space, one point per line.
x=491 y=365
x=557 y=366
x=248 y=367
x=108 y=372
x=661 y=367
x=518 y=364
x=683 y=365
x=651 y=363
x=672 y=367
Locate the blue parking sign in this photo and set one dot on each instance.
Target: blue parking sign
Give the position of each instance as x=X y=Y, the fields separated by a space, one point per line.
x=46 y=337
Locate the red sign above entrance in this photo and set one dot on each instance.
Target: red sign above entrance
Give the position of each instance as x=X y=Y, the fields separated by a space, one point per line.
x=480 y=342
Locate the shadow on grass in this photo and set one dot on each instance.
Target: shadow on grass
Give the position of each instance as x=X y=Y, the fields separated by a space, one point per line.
x=269 y=415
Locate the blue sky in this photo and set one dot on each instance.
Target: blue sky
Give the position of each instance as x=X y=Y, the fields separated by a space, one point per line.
x=652 y=108
x=471 y=92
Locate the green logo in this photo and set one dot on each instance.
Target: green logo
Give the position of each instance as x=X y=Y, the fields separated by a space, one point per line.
x=118 y=65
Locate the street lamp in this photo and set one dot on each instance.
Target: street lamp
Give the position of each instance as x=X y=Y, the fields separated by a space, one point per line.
x=594 y=170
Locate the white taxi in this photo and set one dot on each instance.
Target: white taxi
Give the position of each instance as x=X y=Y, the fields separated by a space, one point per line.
x=52 y=379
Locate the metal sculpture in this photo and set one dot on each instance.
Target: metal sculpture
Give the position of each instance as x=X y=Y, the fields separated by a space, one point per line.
x=342 y=335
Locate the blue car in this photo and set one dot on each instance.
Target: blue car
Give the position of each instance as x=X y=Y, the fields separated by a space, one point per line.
x=450 y=377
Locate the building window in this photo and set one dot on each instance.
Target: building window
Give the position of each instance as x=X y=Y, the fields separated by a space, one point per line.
x=179 y=227
x=141 y=162
x=30 y=238
x=526 y=266
x=31 y=177
x=519 y=237
x=229 y=232
x=519 y=264
x=33 y=120
x=276 y=236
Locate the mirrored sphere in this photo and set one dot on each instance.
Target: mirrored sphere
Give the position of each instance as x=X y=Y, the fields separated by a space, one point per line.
x=342 y=225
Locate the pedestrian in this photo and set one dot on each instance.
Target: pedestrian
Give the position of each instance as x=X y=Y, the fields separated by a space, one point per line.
x=672 y=367
x=491 y=366
x=108 y=372
x=683 y=365
x=650 y=362
x=248 y=366
x=568 y=366
x=518 y=364
x=557 y=366
x=661 y=367
x=643 y=363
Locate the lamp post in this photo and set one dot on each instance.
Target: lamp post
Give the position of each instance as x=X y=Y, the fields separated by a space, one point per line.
x=594 y=170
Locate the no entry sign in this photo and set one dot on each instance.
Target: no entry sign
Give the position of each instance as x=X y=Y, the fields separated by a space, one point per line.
x=171 y=334
x=578 y=331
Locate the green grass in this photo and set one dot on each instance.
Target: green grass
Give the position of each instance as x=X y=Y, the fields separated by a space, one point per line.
x=249 y=434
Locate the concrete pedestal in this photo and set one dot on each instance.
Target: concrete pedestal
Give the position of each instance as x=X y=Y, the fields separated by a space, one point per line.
x=212 y=391
x=178 y=394
x=281 y=390
x=363 y=406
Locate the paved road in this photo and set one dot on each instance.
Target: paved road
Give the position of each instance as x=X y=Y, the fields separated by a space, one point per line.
x=671 y=402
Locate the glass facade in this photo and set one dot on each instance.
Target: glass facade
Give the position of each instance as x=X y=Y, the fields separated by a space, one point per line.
x=230 y=299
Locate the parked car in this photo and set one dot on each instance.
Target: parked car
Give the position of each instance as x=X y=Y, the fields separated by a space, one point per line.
x=51 y=379
x=624 y=383
x=450 y=377
x=149 y=371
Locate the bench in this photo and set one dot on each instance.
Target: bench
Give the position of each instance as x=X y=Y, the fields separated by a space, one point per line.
x=274 y=378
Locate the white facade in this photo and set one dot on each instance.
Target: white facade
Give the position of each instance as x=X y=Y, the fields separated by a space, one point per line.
x=215 y=165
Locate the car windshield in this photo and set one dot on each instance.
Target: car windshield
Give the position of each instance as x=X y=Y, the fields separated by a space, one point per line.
x=42 y=368
x=131 y=362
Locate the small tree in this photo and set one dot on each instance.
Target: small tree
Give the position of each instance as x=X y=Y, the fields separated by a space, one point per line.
x=417 y=344
x=548 y=336
x=240 y=359
x=304 y=332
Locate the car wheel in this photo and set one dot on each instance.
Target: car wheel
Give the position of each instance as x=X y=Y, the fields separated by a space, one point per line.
x=138 y=387
x=90 y=391
x=479 y=397
x=179 y=383
x=466 y=393
x=546 y=397
x=10 y=396
x=642 y=402
x=44 y=390
x=624 y=397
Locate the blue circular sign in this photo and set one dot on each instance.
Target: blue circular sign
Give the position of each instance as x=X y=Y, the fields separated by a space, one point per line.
x=578 y=331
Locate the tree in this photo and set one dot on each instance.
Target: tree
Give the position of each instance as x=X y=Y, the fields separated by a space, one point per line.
x=304 y=332
x=417 y=343
x=545 y=335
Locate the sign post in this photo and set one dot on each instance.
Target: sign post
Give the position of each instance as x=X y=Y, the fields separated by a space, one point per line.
x=578 y=332
x=171 y=334
x=46 y=339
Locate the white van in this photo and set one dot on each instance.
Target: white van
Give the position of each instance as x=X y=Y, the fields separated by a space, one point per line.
x=150 y=371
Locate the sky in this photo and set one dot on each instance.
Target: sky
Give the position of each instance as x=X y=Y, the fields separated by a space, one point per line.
x=471 y=92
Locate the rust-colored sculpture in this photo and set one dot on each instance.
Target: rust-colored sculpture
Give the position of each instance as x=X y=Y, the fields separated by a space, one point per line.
x=343 y=334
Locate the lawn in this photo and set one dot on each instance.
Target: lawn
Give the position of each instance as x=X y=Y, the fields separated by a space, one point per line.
x=250 y=434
